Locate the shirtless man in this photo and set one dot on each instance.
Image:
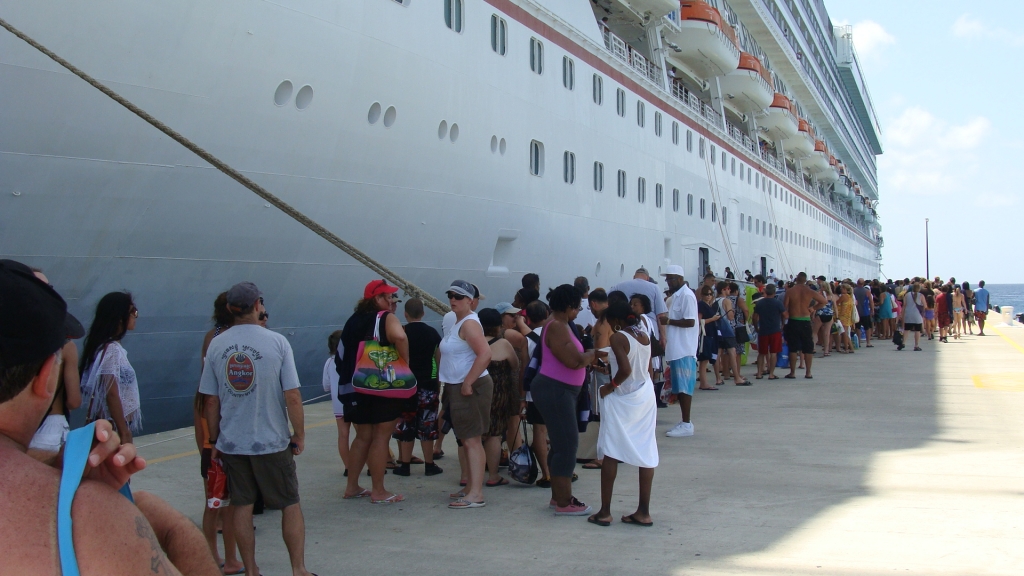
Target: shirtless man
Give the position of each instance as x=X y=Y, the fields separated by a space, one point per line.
x=110 y=535
x=801 y=302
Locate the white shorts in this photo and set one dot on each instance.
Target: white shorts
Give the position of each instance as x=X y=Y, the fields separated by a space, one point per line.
x=339 y=410
x=51 y=435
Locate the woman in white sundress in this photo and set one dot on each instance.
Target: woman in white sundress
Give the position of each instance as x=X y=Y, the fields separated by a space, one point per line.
x=109 y=389
x=629 y=415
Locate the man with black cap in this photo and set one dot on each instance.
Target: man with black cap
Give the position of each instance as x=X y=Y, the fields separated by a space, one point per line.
x=109 y=534
x=252 y=391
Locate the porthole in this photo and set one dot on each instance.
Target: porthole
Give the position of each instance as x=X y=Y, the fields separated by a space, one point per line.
x=622 y=270
x=304 y=97
x=598 y=177
x=374 y=114
x=442 y=130
x=283 y=93
x=598 y=90
x=453 y=133
x=494 y=144
x=659 y=195
x=597 y=269
x=501 y=146
x=389 y=116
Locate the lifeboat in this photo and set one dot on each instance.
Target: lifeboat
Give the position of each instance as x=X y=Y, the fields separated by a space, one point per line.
x=746 y=89
x=831 y=174
x=655 y=8
x=780 y=122
x=702 y=45
x=800 y=145
x=817 y=162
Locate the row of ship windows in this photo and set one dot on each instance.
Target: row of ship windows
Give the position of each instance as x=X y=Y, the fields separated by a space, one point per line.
x=453 y=17
x=768 y=230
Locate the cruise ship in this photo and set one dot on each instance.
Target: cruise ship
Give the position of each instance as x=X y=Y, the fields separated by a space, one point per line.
x=473 y=139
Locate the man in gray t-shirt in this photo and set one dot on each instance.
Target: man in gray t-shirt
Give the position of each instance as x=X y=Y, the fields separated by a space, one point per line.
x=251 y=390
x=641 y=284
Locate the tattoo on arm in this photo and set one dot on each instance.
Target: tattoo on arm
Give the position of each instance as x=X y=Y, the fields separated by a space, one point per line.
x=157 y=559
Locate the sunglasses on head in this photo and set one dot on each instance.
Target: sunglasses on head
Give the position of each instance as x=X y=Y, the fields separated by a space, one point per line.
x=454 y=296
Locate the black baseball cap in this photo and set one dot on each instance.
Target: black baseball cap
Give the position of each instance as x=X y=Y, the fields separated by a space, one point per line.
x=34 y=319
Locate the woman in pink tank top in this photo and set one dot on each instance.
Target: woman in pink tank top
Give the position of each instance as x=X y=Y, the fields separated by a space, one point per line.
x=563 y=369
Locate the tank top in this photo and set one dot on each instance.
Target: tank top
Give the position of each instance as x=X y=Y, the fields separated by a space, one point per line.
x=639 y=357
x=457 y=357
x=552 y=368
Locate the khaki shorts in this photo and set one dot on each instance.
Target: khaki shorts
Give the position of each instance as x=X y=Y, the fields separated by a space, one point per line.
x=273 y=475
x=470 y=415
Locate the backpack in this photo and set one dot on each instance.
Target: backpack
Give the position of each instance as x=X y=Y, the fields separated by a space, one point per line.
x=522 y=464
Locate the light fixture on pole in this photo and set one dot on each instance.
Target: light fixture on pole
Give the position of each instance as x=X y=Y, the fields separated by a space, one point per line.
x=927 y=267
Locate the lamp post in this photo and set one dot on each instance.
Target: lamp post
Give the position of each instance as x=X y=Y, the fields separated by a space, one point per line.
x=927 y=267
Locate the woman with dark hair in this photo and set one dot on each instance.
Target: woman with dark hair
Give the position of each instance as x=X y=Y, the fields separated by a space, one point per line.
x=709 y=313
x=563 y=369
x=727 y=335
x=504 y=371
x=641 y=307
x=212 y=517
x=968 y=323
x=109 y=387
x=629 y=415
x=374 y=417
x=944 y=312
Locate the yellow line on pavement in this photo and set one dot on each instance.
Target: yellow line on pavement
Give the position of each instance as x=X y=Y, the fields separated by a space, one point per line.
x=1007 y=338
x=196 y=452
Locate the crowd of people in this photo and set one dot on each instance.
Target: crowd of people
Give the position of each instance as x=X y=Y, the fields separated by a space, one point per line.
x=524 y=376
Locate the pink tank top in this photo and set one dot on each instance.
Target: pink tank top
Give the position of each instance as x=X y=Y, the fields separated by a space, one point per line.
x=552 y=368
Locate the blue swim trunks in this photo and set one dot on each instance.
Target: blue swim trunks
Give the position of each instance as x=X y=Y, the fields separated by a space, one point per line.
x=684 y=375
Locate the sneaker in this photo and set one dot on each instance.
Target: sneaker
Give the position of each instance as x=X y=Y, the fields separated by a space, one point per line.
x=575 y=508
x=432 y=469
x=682 y=429
x=402 y=470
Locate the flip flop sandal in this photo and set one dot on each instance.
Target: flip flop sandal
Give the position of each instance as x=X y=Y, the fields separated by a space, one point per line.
x=393 y=499
x=391 y=465
x=457 y=495
x=239 y=571
x=631 y=520
x=362 y=494
x=461 y=504
x=593 y=520
x=500 y=482
x=773 y=377
x=789 y=377
x=415 y=460
x=708 y=389
x=591 y=466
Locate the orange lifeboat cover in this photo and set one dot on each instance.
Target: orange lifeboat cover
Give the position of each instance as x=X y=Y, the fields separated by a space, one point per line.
x=804 y=126
x=832 y=161
x=700 y=11
x=731 y=33
x=749 y=62
x=819 y=146
x=780 y=101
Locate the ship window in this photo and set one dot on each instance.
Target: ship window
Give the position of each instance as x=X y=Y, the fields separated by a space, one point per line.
x=675 y=132
x=657 y=123
x=536 y=56
x=622 y=184
x=689 y=141
x=749 y=229
x=620 y=102
x=641 y=190
x=689 y=204
x=675 y=199
x=701 y=208
x=757 y=180
x=641 y=113
x=659 y=195
x=723 y=160
x=757 y=224
x=748 y=175
x=536 y=158
x=598 y=177
x=569 y=167
x=742 y=222
x=724 y=222
x=700 y=148
x=713 y=157
x=741 y=170
x=733 y=165
x=499 y=31
x=568 y=72
x=714 y=212
x=453 y=14
x=598 y=90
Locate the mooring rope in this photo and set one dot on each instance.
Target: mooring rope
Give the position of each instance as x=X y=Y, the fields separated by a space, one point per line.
x=361 y=257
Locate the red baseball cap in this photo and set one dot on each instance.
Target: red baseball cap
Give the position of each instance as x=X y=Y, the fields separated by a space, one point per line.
x=377 y=287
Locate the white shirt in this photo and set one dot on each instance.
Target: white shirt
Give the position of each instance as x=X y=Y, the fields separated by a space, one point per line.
x=682 y=342
x=447 y=322
x=457 y=356
x=585 y=318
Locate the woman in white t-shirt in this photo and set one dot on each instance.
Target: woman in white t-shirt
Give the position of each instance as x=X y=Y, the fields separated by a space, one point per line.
x=330 y=384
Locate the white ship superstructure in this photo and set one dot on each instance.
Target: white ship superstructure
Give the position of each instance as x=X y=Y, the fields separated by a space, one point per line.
x=475 y=139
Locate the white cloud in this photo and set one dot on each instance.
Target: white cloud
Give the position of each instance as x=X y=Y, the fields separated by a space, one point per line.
x=870 y=37
x=969 y=27
x=928 y=156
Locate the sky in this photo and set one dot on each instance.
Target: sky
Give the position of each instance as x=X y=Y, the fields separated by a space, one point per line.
x=943 y=77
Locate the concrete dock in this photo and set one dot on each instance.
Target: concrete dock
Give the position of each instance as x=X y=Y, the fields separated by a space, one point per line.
x=885 y=462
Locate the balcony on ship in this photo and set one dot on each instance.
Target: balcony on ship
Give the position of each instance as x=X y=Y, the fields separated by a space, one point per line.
x=801 y=144
x=779 y=122
x=704 y=47
x=748 y=88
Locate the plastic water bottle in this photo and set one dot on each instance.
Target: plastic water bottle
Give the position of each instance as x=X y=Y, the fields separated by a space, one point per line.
x=863 y=334
x=856 y=341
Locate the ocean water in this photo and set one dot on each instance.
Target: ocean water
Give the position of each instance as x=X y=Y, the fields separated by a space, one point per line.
x=1006 y=295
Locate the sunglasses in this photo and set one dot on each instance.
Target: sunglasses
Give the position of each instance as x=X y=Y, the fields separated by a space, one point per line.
x=454 y=296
